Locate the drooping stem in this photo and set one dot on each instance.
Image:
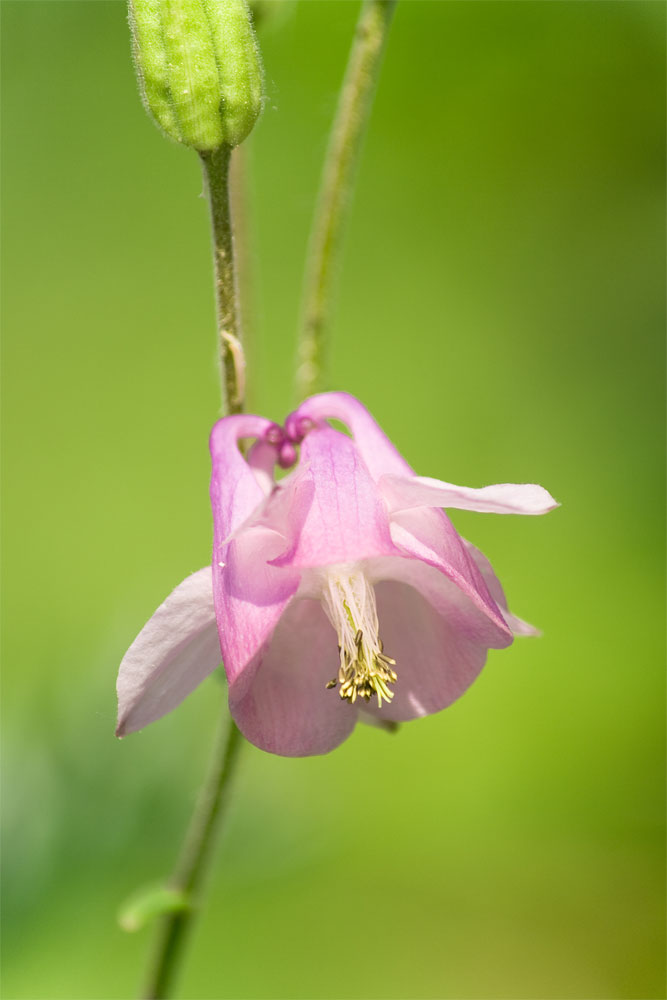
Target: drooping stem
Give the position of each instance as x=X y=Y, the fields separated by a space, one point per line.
x=193 y=862
x=336 y=186
x=192 y=865
x=232 y=361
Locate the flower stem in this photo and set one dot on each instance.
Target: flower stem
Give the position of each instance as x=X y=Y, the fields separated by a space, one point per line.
x=232 y=363
x=336 y=187
x=194 y=858
x=195 y=855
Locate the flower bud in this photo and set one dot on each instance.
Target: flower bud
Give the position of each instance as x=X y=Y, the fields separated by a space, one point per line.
x=199 y=69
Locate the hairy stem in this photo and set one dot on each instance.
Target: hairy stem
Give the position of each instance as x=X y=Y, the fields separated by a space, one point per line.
x=195 y=856
x=193 y=862
x=232 y=362
x=339 y=169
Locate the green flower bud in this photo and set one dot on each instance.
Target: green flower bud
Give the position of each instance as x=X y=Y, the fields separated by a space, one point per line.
x=199 y=69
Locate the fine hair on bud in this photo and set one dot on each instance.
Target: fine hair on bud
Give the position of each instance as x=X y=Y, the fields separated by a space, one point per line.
x=199 y=69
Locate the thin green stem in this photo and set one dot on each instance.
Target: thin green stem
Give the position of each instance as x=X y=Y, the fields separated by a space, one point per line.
x=232 y=362
x=193 y=862
x=342 y=154
x=192 y=865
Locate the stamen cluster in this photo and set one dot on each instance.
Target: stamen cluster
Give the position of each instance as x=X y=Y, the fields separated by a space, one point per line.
x=365 y=669
x=363 y=676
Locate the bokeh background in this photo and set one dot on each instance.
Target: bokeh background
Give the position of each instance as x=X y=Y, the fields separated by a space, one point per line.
x=501 y=313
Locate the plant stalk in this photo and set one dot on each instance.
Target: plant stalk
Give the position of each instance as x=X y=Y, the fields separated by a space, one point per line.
x=232 y=361
x=195 y=855
x=193 y=862
x=345 y=142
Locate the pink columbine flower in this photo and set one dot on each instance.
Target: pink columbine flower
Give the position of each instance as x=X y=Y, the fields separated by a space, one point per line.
x=341 y=591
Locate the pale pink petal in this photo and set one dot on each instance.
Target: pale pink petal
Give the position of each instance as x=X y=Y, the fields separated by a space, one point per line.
x=518 y=626
x=334 y=511
x=176 y=649
x=262 y=460
x=376 y=449
x=285 y=508
x=253 y=596
x=428 y=536
x=437 y=658
x=281 y=702
x=461 y=605
x=235 y=490
x=406 y=492
x=249 y=593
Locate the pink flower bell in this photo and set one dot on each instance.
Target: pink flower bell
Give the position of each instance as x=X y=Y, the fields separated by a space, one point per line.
x=342 y=589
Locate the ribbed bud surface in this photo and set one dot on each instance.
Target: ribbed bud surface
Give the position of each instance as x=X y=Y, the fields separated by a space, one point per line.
x=199 y=69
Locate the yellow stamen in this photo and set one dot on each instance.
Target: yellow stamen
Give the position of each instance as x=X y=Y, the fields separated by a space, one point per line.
x=365 y=670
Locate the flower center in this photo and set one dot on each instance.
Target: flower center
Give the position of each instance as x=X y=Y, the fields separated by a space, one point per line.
x=365 y=670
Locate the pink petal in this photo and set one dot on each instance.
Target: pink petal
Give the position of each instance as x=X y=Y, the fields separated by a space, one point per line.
x=464 y=610
x=437 y=655
x=253 y=594
x=249 y=593
x=403 y=493
x=235 y=489
x=330 y=506
x=176 y=649
x=280 y=702
x=262 y=460
x=428 y=536
x=518 y=626
x=376 y=449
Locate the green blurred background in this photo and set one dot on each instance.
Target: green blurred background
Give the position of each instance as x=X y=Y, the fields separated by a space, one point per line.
x=501 y=313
